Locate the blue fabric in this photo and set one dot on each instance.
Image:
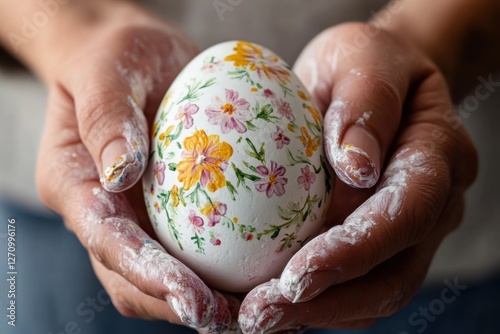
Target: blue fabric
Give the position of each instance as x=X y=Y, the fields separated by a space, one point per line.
x=57 y=292
x=475 y=310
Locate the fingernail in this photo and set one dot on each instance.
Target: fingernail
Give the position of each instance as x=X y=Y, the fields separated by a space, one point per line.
x=123 y=164
x=357 y=161
x=303 y=288
x=274 y=318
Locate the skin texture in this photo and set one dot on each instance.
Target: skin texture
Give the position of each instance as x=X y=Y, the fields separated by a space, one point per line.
x=402 y=166
x=103 y=95
x=393 y=229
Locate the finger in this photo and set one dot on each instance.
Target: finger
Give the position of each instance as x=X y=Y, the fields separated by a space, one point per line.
x=111 y=123
x=128 y=300
x=344 y=201
x=265 y=309
x=107 y=226
x=354 y=304
x=131 y=302
x=109 y=231
x=389 y=221
x=405 y=207
x=366 y=91
x=225 y=320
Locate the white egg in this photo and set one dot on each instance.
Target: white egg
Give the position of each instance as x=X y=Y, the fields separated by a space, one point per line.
x=237 y=179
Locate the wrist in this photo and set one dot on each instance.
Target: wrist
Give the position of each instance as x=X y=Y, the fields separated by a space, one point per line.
x=444 y=31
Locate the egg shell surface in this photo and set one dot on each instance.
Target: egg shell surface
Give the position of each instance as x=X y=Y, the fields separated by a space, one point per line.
x=237 y=180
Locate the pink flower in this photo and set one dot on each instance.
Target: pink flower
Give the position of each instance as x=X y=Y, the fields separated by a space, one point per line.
x=211 y=66
x=283 y=108
x=196 y=222
x=247 y=236
x=215 y=242
x=185 y=112
x=230 y=113
x=273 y=182
x=306 y=178
x=280 y=138
x=214 y=211
x=159 y=171
x=269 y=94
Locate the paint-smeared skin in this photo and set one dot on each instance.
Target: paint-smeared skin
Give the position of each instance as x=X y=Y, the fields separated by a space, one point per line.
x=128 y=168
x=388 y=201
x=225 y=320
x=140 y=259
x=262 y=296
x=351 y=164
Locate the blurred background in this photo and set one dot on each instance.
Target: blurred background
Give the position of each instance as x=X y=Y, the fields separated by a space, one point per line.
x=46 y=252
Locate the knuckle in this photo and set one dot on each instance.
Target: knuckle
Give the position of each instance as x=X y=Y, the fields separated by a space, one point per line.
x=384 y=85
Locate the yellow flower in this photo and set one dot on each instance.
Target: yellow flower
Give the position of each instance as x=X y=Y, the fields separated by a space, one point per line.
x=174 y=195
x=205 y=159
x=207 y=209
x=154 y=128
x=310 y=144
x=164 y=136
x=248 y=54
x=314 y=113
x=166 y=99
x=302 y=95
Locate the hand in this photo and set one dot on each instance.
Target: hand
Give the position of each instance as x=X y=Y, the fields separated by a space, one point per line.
x=385 y=102
x=104 y=93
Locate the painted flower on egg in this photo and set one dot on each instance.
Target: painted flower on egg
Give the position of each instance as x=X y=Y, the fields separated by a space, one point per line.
x=204 y=160
x=229 y=112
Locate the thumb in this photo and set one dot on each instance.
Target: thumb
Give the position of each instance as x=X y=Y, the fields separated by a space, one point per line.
x=362 y=92
x=113 y=127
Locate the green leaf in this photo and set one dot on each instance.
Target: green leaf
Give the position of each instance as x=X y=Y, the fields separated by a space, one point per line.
x=276 y=233
x=259 y=155
x=160 y=150
x=304 y=216
x=232 y=190
x=169 y=155
x=172 y=166
x=252 y=168
x=266 y=114
x=250 y=127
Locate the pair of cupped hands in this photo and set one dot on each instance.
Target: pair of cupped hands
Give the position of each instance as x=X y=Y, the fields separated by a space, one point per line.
x=402 y=170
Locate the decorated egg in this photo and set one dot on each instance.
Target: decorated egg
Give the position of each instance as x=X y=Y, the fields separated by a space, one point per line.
x=237 y=180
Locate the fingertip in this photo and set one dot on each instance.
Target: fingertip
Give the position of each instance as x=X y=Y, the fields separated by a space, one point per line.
x=352 y=148
x=123 y=164
x=225 y=317
x=124 y=159
x=195 y=313
x=357 y=160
